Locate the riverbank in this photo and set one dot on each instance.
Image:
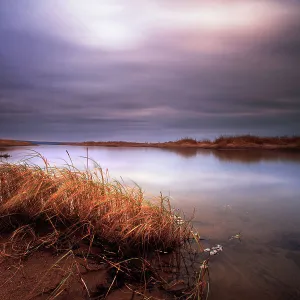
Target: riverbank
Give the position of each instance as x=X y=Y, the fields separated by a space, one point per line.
x=11 y=143
x=78 y=234
x=242 y=142
x=223 y=143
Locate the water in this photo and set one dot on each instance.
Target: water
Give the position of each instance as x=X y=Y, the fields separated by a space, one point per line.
x=251 y=192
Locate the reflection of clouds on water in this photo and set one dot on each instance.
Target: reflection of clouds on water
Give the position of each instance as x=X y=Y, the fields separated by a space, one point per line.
x=203 y=170
x=205 y=174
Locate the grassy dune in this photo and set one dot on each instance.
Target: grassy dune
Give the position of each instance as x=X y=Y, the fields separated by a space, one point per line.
x=86 y=215
x=223 y=142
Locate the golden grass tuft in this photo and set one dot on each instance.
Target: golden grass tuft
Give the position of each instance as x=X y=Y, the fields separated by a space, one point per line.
x=105 y=208
x=88 y=216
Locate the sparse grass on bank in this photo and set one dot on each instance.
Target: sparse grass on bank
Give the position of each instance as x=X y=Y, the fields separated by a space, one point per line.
x=223 y=142
x=65 y=209
x=257 y=140
x=186 y=140
x=9 y=143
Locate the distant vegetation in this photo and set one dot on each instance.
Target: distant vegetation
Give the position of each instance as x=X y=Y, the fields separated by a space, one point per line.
x=251 y=139
x=223 y=142
x=186 y=140
x=8 y=143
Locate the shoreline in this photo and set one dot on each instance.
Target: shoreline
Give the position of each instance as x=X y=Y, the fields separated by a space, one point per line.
x=12 y=143
x=197 y=146
x=243 y=142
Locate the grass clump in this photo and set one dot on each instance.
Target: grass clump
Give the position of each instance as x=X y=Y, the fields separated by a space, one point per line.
x=112 y=211
x=92 y=220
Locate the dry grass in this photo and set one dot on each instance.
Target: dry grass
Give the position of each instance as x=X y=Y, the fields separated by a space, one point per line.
x=251 y=139
x=186 y=140
x=64 y=208
x=90 y=199
x=223 y=142
x=6 y=143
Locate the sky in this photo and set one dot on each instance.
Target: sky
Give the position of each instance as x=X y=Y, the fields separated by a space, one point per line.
x=137 y=70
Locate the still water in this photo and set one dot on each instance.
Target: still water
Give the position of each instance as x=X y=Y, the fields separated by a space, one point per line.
x=253 y=193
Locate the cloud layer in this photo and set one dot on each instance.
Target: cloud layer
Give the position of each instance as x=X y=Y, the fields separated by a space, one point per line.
x=72 y=71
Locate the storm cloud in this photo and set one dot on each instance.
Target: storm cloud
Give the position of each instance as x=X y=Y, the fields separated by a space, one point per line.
x=148 y=71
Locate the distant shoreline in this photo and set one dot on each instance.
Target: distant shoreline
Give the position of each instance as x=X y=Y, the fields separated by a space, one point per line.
x=246 y=142
x=11 y=143
x=243 y=142
x=198 y=146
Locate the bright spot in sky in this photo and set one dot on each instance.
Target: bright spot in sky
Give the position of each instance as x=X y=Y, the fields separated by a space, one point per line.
x=107 y=25
x=120 y=25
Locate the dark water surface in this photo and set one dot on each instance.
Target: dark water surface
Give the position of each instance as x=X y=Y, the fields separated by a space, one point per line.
x=252 y=192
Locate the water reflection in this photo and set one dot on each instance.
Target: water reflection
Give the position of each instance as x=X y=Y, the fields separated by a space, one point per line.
x=183 y=152
x=256 y=193
x=254 y=156
x=243 y=156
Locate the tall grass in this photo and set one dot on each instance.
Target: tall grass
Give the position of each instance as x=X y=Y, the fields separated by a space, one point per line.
x=62 y=208
x=106 y=208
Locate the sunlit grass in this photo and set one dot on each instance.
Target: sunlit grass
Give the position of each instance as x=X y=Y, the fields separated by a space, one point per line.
x=106 y=208
x=65 y=208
